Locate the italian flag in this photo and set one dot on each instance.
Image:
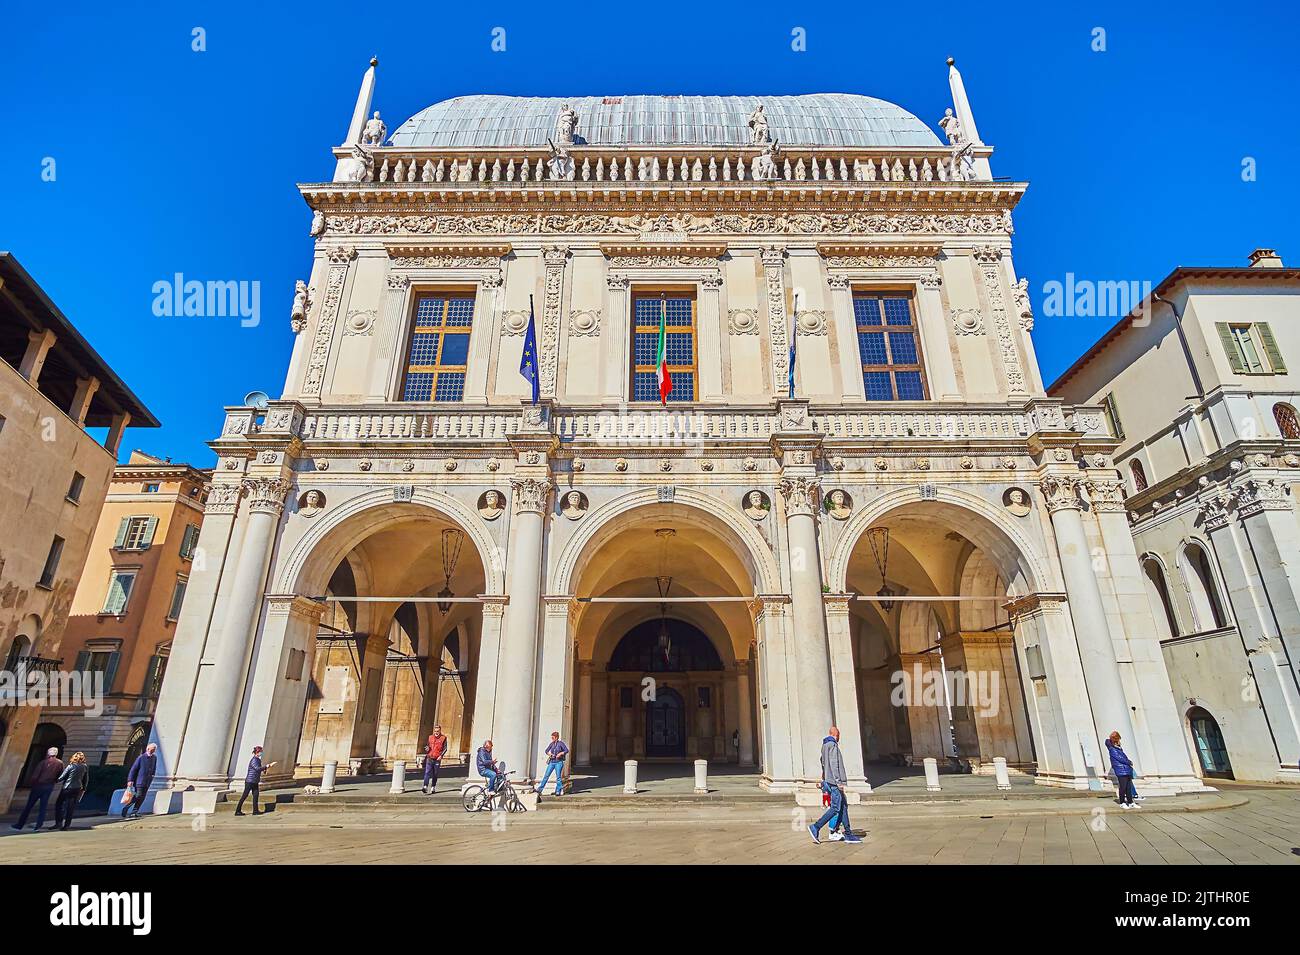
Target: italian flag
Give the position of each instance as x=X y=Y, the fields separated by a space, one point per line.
x=661 y=355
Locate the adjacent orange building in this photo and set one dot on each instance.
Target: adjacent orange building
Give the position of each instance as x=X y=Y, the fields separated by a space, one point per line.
x=127 y=603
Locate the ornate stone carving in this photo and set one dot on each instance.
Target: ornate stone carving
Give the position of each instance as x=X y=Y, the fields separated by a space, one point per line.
x=341 y=254
x=848 y=223
x=446 y=261
x=742 y=321
x=951 y=127
x=838 y=504
x=320 y=348
x=967 y=321
x=877 y=260
x=931 y=279
x=881 y=464
x=266 y=495
x=802 y=494
x=490 y=505
x=989 y=258
x=1023 y=306
x=317 y=224
x=311 y=503
x=1214 y=511
x=837 y=463
x=358 y=167
x=1254 y=496
x=966 y=463
x=1060 y=491
x=1016 y=501
x=759 y=133
x=554 y=258
x=839 y=282
x=301 y=306
x=1107 y=497
x=575 y=505
x=585 y=322
x=749 y=464
x=514 y=322
x=531 y=495
x=566 y=125
x=756 y=505
x=223 y=499
x=360 y=321
x=812 y=321
x=774 y=271
x=398 y=282
x=620 y=465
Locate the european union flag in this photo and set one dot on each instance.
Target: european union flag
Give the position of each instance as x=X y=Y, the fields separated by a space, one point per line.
x=528 y=361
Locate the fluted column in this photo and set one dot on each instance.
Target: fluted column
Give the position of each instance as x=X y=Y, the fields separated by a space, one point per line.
x=1096 y=650
x=518 y=664
x=618 y=336
x=710 y=336
x=390 y=329
x=582 y=722
x=811 y=653
x=846 y=336
x=216 y=709
x=745 y=713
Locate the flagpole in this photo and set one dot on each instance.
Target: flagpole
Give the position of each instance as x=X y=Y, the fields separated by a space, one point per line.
x=794 y=336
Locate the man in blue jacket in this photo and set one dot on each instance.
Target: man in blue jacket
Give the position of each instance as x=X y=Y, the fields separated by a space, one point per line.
x=140 y=779
x=486 y=765
x=834 y=778
x=1122 y=767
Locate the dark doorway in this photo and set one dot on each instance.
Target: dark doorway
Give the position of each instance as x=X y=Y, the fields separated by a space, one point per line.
x=46 y=735
x=1210 y=748
x=665 y=725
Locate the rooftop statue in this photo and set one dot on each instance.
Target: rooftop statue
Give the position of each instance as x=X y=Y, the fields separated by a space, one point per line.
x=560 y=165
x=765 y=162
x=359 y=167
x=951 y=127
x=566 y=126
x=375 y=131
x=758 y=126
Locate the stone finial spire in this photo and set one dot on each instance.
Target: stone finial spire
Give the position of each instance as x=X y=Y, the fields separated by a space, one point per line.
x=362 y=110
x=961 y=105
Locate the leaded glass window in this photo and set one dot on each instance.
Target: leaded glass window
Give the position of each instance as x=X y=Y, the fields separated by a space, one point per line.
x=679 y=339
x=439 y=348
x=888 y=347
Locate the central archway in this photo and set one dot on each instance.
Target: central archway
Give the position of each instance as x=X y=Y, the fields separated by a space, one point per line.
x=635 y=550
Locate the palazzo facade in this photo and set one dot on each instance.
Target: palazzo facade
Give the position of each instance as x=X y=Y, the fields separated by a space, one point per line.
x=406 y=536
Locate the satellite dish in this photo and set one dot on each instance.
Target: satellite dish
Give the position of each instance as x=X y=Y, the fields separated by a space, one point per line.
x=256 y=399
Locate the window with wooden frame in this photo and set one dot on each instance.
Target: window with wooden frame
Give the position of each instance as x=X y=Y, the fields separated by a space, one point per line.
x=679 y=327
x=1251 y=348
x=439 y=347
x=889 y=346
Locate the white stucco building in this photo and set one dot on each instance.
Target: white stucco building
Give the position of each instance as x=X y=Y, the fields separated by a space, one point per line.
x=722 y=577
x=1210 y=459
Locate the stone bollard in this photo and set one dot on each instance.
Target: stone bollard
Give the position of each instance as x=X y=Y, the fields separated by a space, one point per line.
x=1000 y=771
x=629 y=777
x=329 y=776
x=701 y=777
x=931 y=774
x=399 y=778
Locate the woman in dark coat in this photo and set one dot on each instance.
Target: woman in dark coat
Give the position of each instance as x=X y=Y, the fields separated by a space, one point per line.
x=72 y=783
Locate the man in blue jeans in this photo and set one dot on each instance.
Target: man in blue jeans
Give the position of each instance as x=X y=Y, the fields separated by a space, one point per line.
x=834 y=779
x=555 y=754
x=486 y=765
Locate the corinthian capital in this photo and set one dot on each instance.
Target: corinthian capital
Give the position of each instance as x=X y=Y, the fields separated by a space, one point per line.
x=266 y=495
x=1060 y=491
x=1106 y=496
x=1255 y=496
x=531 y=495
x=1214 y=511
x=223 y=499
x=801 y=494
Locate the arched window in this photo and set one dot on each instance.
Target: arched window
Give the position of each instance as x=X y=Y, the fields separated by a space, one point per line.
x=1288 y=425
x=667 y=646
x=1153 y=576
x=1139 y=477
x=1210 y=748
x=1202 y=591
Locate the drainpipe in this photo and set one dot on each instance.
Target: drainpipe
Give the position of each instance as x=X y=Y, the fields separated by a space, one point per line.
x=1191 y=365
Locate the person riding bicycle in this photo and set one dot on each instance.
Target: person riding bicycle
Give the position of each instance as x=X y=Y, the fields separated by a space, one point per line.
x=486 y=765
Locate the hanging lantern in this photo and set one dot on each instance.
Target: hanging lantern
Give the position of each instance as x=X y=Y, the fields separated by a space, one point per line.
x=878 y=538
x=665 y=637
x=452 y=539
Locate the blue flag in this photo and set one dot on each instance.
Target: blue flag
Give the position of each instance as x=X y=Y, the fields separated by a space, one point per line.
x=528 y=361
x=794 y=338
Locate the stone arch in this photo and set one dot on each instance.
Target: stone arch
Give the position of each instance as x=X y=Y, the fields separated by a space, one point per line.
x=690 y=505
x=340 y=529
x=1023 y=565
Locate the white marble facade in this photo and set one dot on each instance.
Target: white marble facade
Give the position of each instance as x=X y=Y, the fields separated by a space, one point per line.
x=990 y=489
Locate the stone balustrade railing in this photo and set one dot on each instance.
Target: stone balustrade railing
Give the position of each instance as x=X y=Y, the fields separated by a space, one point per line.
x=594 y=165
x=652 y=426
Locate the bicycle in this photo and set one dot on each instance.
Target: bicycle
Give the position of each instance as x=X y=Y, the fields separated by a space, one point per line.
x=476 y=798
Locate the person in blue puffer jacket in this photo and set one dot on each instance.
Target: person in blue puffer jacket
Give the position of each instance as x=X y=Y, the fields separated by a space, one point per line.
x=1122 y=767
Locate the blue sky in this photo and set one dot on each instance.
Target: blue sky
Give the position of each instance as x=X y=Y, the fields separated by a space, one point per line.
x=169 y=160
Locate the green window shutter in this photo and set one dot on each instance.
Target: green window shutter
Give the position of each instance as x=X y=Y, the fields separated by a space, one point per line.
x=110 y=671
x=83 y=661
x=189 y=541
x=150 y=526
x=121 y=533
x=1235 y=360
x=1270 y=348
x=1114 y=415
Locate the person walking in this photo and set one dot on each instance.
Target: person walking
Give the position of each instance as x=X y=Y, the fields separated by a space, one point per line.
x=253 y=782
x=486 y=765
x=834 y=779
x=1122 y=767
x=555 y=754
x=140 y=779
x=72 y=785
x=434 y=750
x=41 y=781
